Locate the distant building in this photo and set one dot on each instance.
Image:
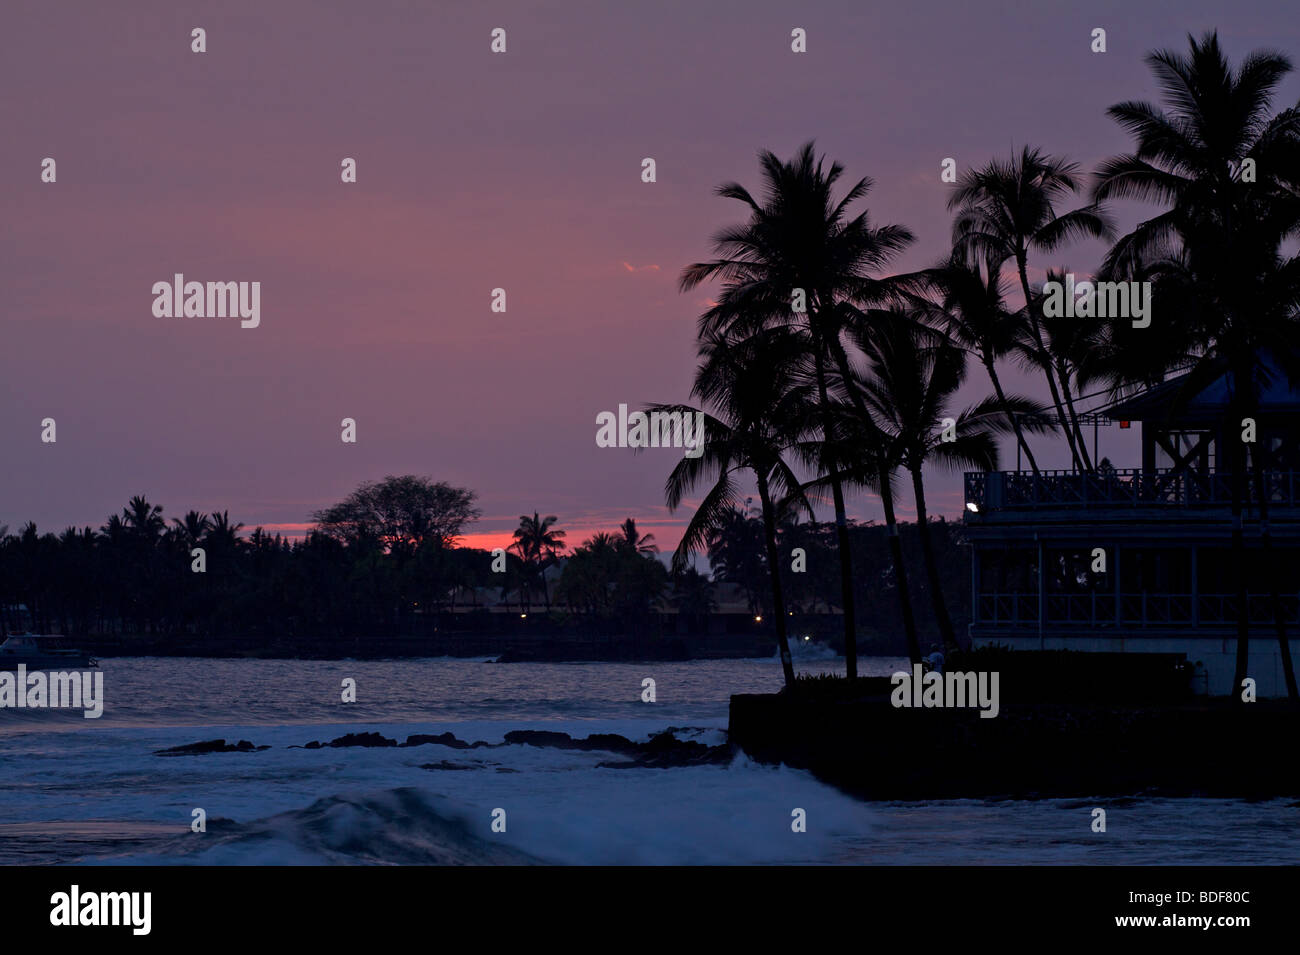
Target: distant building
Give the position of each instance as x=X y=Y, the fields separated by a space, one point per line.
x=1164 y=529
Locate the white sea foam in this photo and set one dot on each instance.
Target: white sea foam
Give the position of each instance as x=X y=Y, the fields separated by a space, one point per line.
x=104 y=796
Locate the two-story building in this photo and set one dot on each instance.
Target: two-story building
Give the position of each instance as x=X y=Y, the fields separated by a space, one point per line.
x=1165 y=581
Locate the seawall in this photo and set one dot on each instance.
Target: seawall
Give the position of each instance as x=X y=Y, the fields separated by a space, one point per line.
x=869 y=748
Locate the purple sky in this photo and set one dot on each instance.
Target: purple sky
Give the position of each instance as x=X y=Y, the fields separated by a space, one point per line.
x=475 y=171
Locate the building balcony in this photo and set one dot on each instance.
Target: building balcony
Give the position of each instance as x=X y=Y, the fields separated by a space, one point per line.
x=1131 y=488
x=1098 y=610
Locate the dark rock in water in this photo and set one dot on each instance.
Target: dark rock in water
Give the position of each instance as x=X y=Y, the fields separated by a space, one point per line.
x=610 y=741
x=604 y=742
x=362 y=739
x=660 y=752
x=377 y=740
x=352 y=739
x=666 y=751
x=545 y=738
x=442 y=739
x=668 y=743
x=211 y=746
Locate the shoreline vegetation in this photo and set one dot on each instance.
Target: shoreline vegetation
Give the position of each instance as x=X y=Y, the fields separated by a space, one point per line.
x=382 y=576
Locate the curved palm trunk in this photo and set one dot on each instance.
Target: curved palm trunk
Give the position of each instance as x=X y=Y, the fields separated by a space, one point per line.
x=1074 y=418
x=1270 y=568
x=932 y=566
x=1239 y=562
x=1015 y=422
x=841 y=529
x=1037 y=328
x=900 y=569
x=774 y=568
x=891 y=522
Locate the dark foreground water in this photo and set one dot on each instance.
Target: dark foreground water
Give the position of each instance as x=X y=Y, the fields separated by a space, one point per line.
x=73 y=789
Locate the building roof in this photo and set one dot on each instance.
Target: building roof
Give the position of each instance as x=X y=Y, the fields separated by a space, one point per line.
x=1174 y=400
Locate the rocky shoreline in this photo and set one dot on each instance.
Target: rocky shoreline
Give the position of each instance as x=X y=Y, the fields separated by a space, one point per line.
x=869 y=749
x=662 y=751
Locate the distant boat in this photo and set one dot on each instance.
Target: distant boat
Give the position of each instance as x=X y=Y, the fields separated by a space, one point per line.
x=42 y=652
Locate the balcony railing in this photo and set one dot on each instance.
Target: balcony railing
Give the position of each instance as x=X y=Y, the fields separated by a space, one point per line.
x=999 y=490
x=1096 y=609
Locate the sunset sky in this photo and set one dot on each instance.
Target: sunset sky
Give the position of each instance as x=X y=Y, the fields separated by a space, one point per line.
x=475 y=171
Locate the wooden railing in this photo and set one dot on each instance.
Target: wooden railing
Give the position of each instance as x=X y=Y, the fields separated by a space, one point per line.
x=1005 y=490
x=1097 y=609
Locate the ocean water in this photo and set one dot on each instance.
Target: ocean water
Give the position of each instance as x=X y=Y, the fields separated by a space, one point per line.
x=74 y=790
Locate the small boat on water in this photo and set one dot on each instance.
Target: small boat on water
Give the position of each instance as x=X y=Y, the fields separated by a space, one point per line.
x=42 y=652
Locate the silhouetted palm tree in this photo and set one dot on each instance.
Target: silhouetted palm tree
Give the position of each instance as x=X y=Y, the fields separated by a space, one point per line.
x=693 y=594
x=1217 y=247
x=974 y=314
x=591 y=572
x=635 y=542
x=538 y=546
x=1072 y=348
x=192 y=527
x=143 y=520
x=737 y=548
x=800 y=260
x=222 y=533
x=912 y=376
x=758 y=415
x=1005 y=210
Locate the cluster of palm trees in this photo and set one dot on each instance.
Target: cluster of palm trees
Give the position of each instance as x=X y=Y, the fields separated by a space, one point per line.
x=824 y=373
x=383 y=571
x=538 y=545
x=609 y=574
x=124 y=573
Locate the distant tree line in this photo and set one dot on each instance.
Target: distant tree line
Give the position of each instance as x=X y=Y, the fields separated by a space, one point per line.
x=373 y=560
x=386 y=557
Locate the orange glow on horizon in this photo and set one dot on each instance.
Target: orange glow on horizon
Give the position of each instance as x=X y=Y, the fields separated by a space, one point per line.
x=665 y=535
x=486 y=540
